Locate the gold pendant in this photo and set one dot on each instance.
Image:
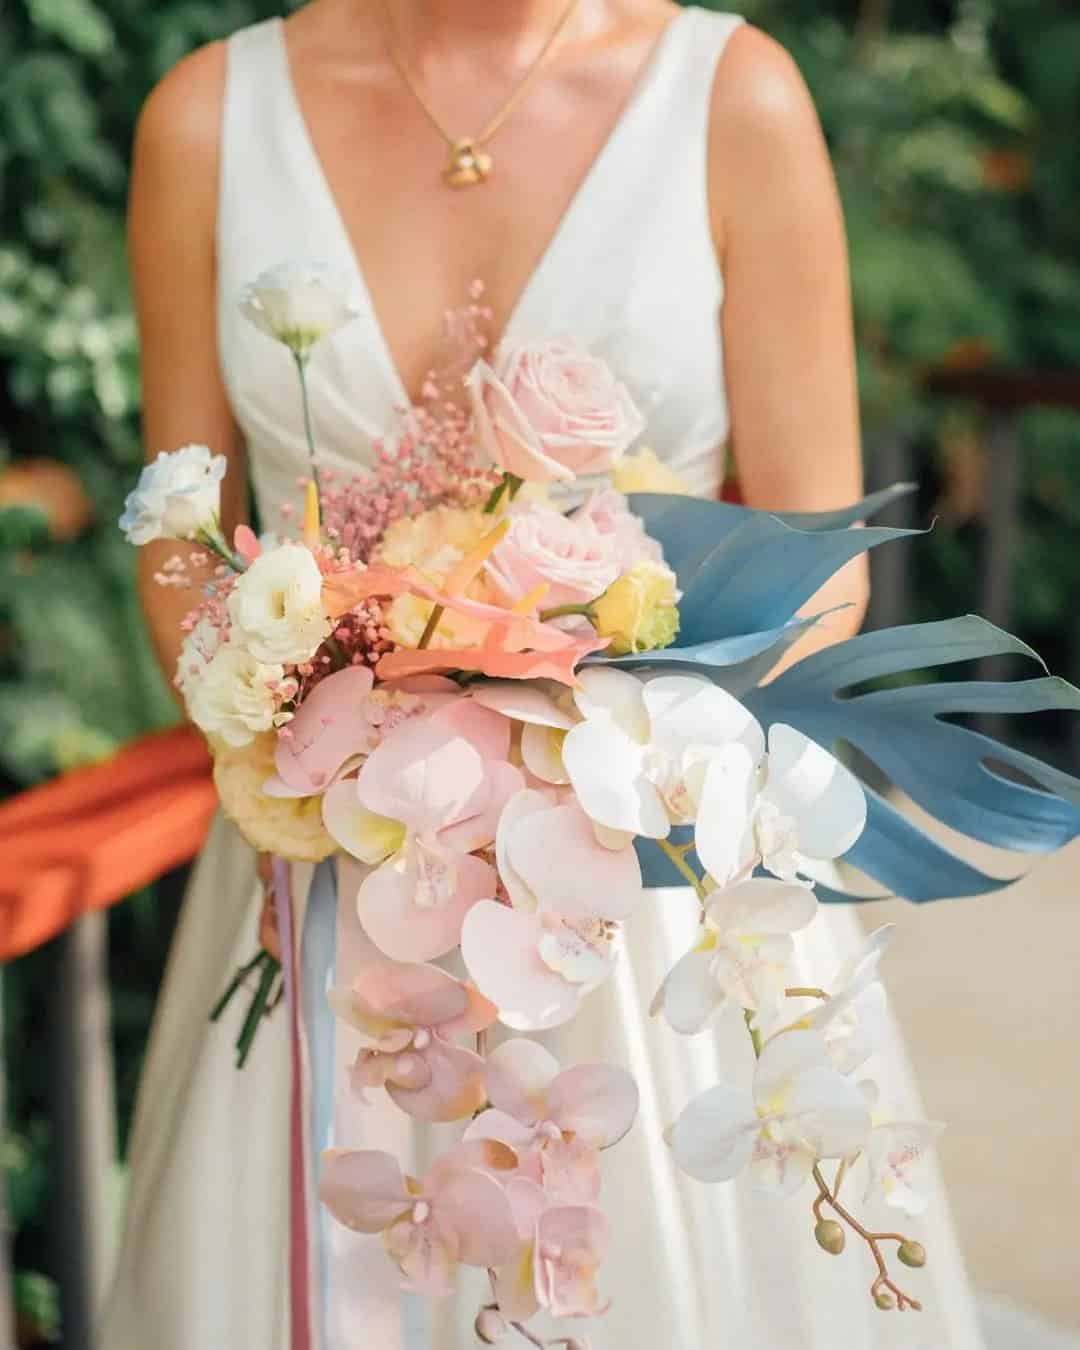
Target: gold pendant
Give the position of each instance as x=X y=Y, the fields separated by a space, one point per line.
x=467 y=165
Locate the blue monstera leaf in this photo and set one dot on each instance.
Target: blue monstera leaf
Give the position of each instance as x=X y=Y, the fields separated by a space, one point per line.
x=744 y=576
x=956 y=774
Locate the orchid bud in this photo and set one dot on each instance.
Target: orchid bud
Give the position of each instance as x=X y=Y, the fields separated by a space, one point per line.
x=830 y=1236
x=884 y=1300
x=912 y=1254
x=490 y=1325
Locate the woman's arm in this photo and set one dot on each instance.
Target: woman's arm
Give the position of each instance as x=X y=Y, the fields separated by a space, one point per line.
x=789 y=345
x=171 y=226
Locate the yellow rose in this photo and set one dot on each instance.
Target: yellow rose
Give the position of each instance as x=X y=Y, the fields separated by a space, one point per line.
x=643 y=472
x=289 y=826
x=434 y=541
x=638 y=612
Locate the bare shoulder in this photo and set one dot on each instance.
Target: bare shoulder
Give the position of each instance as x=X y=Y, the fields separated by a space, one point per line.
x=766 y=147
x=179 y=126
x=760 y=99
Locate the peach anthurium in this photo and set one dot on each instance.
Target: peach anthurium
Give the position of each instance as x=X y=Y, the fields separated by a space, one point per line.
x=424 y=801
x=556 y=1121
x=515 y=645
x=537 y=957
x=409 y=1013
x=743 y=954
x=799 y=1111
x=458 y=1214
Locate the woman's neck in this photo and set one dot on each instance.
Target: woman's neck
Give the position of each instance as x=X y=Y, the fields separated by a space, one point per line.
x=438 y=23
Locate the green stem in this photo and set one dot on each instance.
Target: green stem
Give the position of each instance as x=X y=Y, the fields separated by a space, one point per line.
x=234 y=984
x=755 y=1035
x=509 y=481
x=260 y=1005
x=215 y=541
x=429 y=629
x=678 y=861
x=560 y=611
x=301 y=369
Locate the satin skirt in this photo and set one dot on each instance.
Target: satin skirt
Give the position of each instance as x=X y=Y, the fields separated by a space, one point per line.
x=204 y=1257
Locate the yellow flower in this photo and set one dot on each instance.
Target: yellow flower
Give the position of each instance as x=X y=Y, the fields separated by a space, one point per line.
x=643 y=472
x=638 y=612
x=289 y=826
x=435 y=541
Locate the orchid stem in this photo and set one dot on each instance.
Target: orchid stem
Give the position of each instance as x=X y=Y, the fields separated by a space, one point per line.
x=872 y=1240
x=799 y=992
x=755 y=1035
x=678 y=860
x=301 y=370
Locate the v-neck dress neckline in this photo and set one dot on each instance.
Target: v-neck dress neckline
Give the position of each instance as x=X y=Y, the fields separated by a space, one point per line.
x=326 y=198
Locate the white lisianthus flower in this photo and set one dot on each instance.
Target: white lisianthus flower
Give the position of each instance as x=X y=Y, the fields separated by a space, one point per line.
x=178 y=496
x=233 y=698
x=299 y=304
x=277 y=607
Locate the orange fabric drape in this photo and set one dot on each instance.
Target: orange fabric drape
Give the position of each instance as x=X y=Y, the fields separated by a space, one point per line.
x=91 y=837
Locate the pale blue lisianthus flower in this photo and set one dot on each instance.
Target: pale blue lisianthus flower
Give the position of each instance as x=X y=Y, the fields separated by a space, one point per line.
x=178 y=496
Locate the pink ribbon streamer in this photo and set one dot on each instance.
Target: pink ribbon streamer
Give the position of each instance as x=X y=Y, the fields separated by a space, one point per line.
x=299 y=1245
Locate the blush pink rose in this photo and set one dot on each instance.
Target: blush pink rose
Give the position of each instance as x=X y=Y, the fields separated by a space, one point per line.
x=550 y=411
x=609 y=514
x=571 y=557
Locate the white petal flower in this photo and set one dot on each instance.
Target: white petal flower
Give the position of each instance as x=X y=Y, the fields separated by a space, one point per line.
x=637 y=758
x=775 y=811
x=178 y=496
x=277 y=608
x=853 y=1019
x=800 y=1111
x=743 y=955
x=896 y=1152
x=299 y=303
x=233 y=697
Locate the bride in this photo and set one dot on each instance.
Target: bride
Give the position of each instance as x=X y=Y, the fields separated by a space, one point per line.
x=653 y=181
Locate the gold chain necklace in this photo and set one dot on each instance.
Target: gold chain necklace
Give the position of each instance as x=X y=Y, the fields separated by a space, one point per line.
x=469 y=163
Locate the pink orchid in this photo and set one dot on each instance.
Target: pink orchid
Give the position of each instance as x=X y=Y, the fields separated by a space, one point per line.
x=555 y=1265
x=409 y=1013
x=537 y=957
x=342 y=718
x=425 y=800
x=459 y=1213
x=556 y=1121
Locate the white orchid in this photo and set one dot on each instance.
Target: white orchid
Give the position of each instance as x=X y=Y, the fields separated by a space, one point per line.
x=743 y=955
x=800 y=1111
x=299 y=304
x=853 y=1018
x=796 y=803
x=277 y=608
x=637 y=757
x=178 y=496
x=896 y=1152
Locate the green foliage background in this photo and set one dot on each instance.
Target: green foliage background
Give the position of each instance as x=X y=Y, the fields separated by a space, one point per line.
x=952 y=126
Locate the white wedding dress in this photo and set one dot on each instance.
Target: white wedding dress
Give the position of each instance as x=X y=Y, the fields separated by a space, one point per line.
x=632 y=272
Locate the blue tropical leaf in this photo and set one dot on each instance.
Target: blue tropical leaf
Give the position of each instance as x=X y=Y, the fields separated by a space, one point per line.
x=943 y=767
x=746 y=572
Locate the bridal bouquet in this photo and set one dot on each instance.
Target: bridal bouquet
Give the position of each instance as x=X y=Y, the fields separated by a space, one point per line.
x=510 y=719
